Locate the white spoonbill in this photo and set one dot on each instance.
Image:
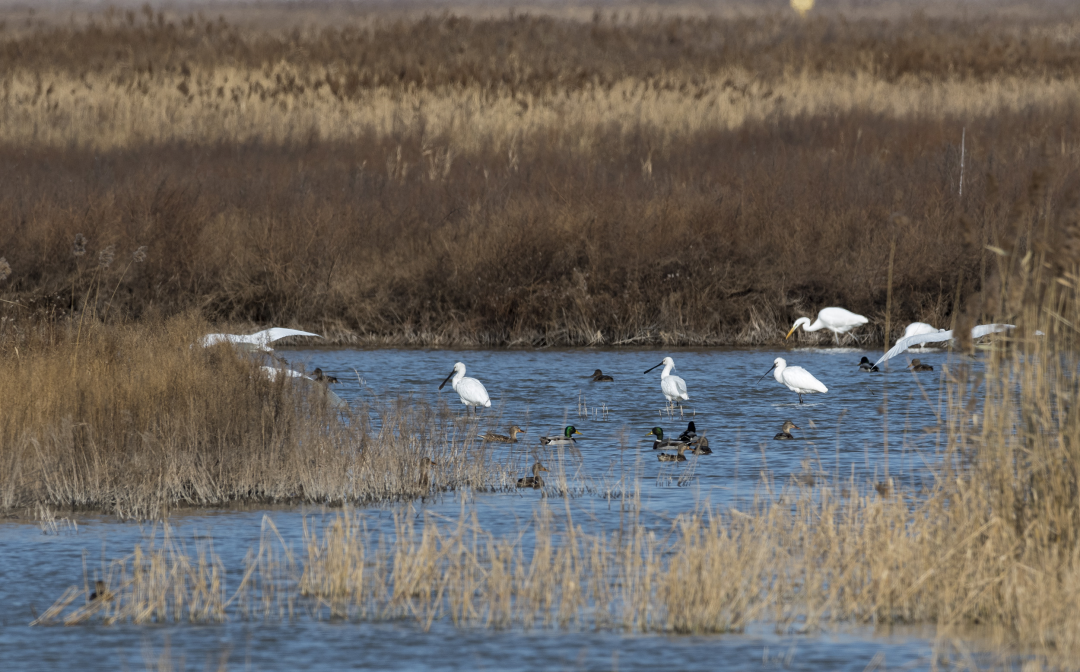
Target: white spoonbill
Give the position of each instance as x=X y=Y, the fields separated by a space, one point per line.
x=910 y=341
x=837 y=320
x=796 y=378
x=673 y=387
x=260 y=340
x=471 y=390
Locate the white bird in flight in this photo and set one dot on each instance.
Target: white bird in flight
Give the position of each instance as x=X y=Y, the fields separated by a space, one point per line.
x=673 y=387
x=837 y=320
x=259 y=341
x=938 y=336
x=920 y=328
x=796 y=378
x=471 y=390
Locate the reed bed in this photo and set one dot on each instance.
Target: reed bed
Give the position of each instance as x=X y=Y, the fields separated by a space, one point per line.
x=526 y=180
x=136 y=420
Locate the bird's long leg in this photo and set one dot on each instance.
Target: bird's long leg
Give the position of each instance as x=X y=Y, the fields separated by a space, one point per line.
x=800 y=397
x=836 y=337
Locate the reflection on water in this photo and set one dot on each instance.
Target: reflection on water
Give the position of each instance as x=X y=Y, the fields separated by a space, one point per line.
x=842 y=434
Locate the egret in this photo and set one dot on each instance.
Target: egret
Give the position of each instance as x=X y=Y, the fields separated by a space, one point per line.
x=916 y=365
x=796 y=378
x=502 y=438
x=660 y=443
x=910 y=341
x=785 y=431
x=837 y=320
x=673 y=387
x=865 y=365
x=567 y=438
x=534 y=481
x=471 y=390
x=259 y=341
x=679 y=457
x=599 y=376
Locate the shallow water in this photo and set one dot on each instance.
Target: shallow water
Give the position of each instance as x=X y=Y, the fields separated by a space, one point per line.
x=842 y=433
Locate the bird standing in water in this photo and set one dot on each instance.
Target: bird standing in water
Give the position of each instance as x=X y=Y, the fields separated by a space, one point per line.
x=795 y=378
x=472 y=391
x=785 y=431
x=534 y=481
x=837 y=320
x=673 y=387
x=502 y=438
x=599 y=376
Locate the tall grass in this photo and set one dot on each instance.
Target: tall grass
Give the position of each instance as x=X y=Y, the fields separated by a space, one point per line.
x=526 y=180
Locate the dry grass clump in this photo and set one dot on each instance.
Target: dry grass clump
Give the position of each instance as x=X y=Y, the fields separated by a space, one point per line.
x=134 y=420
x=526 y=180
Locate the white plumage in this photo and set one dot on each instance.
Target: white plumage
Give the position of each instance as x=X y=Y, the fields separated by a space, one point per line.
x=937 y=336
x=796 y=378
x=919 y=329
x=837 y=320
x=272 y=373
x=471 y=390
x=260 y=340
x=673 y=387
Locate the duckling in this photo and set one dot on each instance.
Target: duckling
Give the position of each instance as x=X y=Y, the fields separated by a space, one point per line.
x=599 y=376
x=690 y=434
x=678 y=457
x=567 y=439
x=100 y=592
x=501 y=438
x=916 y=365
x=868 y=366
x=534 y=481
x=660 y=443
x=425 y=466
x=785 y=431
x=700 y=446
x=324 y=378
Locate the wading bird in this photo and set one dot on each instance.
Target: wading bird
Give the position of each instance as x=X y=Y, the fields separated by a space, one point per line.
x=660 y=443
x=471 y=390
x=785 y=431
x=865 y=365
x=673 y=387
x=796 y=378
x=678 y=457
x=837 y=320
x=259 y=341
x=917 y=365
x=599 y=376
x=534 y=481
x=502 y=438
x=911 y=341
x=324 y=378
x=567 y=438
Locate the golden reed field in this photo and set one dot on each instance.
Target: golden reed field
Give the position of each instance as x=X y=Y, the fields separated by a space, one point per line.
x=501 y=178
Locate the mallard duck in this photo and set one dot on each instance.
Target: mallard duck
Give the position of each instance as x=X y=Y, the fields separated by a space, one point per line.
x=884 y=488
x=785 y=431
x=660 y=443
x=534 y=481
x=425 y=467
x=324 y=378
x=677 y=457
x=867 y=365
x=100 y=592
x=599 y=376
x=567 y=439
x=690 y=434
x=916 y=365
x=700 y=446
x=502 y=438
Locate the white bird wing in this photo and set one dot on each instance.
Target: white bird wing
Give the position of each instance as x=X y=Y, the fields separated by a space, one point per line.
x=214 y=339
x=918 y=339
x=920 y=328
x=796 y=376
x=268 y=336
x=272 y=373
x=674 y=386
x=472 y=391
x=987 y=329
x=331 y=397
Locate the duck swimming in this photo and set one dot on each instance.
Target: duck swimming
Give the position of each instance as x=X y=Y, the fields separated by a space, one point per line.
x=567 y=439
x=785 y=431
x=100 y=592
x=678 y=457
x=502 y=438
x=425 y=466
x=534 y=481
x=916 y=365
x=700 y=446
x=324 y=378
x=660 y=443
x=690 y=434
x=599 y=376
x=867 y=365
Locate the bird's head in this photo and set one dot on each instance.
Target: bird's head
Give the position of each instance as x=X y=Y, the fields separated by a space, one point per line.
x=570 y=431
x=658 y=432
x=798 y=323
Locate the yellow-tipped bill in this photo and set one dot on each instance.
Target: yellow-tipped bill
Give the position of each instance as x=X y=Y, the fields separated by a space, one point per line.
x=791 y=332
